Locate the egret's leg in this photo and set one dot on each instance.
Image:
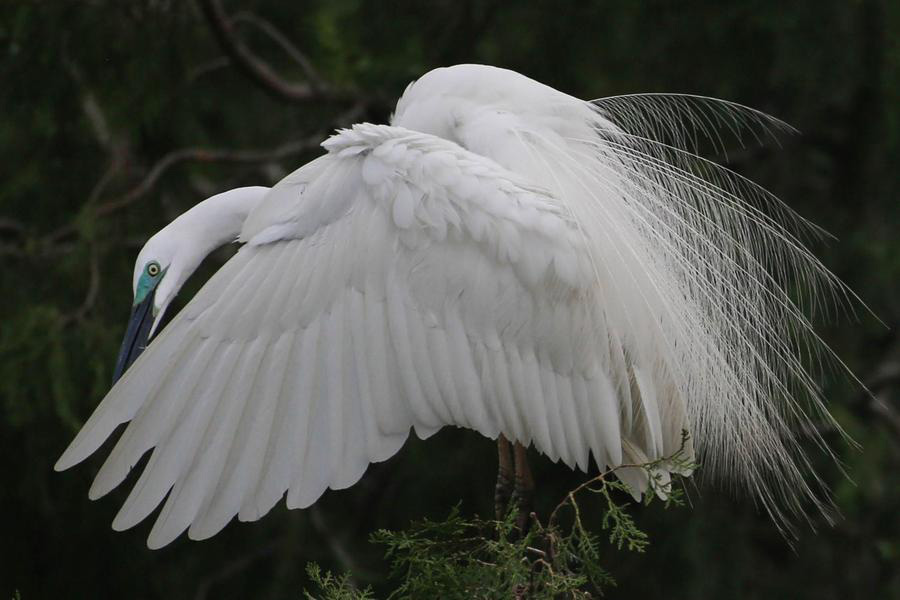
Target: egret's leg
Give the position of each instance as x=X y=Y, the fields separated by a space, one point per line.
x=524 y=487
x=504 y=488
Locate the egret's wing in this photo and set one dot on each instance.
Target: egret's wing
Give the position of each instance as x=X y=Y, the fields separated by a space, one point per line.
x=413 y=284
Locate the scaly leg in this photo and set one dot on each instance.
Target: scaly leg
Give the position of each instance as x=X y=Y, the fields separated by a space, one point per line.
x=524 y=487
x=503 y=490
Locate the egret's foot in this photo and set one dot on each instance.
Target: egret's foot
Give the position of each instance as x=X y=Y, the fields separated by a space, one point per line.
x=504 y=489
x=523 y=493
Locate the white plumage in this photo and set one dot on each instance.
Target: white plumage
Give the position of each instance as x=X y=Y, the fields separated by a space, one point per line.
x=504 y=258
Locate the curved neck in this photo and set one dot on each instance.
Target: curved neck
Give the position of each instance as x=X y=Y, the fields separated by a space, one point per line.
x=195 y=234
x=218 y=220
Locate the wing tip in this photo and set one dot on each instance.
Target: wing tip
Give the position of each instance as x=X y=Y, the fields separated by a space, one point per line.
x=91 y=436
x=121 y=523
x=156 y=542
x=205 y=528
x=164 y=534
x=102 y=485
x=72 y=455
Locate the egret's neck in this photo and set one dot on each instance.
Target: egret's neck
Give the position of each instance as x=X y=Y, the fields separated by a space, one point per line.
x=191 y=237
x=217 y=220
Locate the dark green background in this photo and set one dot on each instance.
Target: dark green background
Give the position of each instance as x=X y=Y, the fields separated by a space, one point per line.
x=95 y=97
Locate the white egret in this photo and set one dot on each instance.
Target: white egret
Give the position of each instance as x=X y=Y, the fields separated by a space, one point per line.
x=503 y=257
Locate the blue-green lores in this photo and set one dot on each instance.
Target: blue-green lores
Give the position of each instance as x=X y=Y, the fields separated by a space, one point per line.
x=150 y=278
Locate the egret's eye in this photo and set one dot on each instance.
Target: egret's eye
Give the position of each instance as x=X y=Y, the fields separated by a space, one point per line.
x=153 y=269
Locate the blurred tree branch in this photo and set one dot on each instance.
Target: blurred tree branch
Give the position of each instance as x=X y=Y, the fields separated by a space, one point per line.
x=93 y=289
x=155 y=173
x=24 y=243
x=246 y=61
x=147 y=183
x=200 y=155
x=312 y=75
x=886 y=375
x=258 y=70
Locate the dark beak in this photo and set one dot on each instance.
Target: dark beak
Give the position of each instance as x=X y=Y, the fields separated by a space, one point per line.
x=136 y=336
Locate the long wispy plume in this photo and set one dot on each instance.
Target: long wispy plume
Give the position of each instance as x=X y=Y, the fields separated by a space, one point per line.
x=722 y=266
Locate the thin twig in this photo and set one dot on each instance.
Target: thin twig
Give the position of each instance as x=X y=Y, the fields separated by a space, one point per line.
x=203 y=155
x=649 y=467
x=207 y=67
x=93 y=290
x=177 y=157
x=258 y=70
x=312 y=75
x=49 y=243
x=570 y=497
x=115 y=164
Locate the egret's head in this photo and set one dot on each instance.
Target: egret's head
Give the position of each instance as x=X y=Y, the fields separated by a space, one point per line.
x=169 y=257
x=159 y=271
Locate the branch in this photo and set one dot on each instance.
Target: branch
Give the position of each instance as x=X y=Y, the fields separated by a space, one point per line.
x=676 y=463
x=256 y=68
x=177 y=157
x=207 y=67
x=881 y=407
x=52 y=241
x=93 y=112
x=885 y=376
x=93 y=290
x=312 y=75
x=202 y=155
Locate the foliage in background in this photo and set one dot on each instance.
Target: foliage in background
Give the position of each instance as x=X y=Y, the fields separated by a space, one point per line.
x=117 y=116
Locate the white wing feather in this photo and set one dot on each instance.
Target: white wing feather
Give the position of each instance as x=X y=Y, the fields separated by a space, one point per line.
x=399 y=281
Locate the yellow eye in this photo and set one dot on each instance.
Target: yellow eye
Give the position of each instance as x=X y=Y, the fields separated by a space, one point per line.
x=153 y=269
